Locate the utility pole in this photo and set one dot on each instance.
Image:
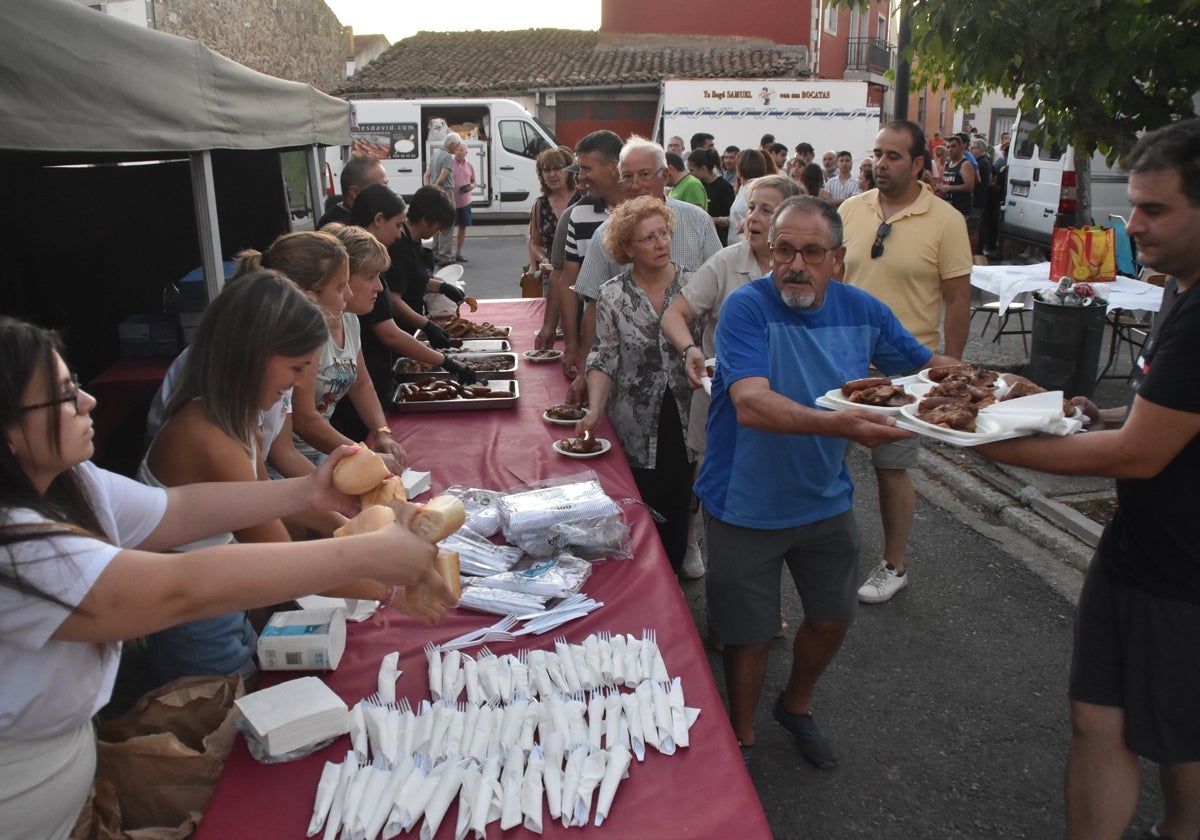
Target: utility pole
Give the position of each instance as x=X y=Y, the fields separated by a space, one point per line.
x=903 y=66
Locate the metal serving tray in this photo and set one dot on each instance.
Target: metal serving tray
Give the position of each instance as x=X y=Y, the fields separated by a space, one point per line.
x=461 y=403
x=507 y=372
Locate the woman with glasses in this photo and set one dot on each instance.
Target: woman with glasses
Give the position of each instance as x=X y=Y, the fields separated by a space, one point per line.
x=82 y=567
x=633 y=371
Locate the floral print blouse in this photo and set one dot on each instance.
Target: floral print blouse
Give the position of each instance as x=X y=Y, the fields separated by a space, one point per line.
x=632 y=350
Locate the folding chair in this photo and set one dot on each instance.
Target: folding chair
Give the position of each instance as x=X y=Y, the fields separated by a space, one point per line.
x=1125 y=327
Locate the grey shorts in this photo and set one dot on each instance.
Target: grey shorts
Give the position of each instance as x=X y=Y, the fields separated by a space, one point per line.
x=1138 y=652
x=898 y=455
x=746 y=565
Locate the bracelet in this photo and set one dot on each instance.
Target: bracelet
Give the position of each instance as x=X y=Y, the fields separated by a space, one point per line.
x=383 y=430
x=683 y=352
x=390 y=597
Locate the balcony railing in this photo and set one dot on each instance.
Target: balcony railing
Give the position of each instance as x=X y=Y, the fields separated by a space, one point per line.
x=868 y=55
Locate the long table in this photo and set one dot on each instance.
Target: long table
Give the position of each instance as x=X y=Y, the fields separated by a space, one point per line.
x=702 y=791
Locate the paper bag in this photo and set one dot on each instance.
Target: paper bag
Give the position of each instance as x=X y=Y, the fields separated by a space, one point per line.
x=164 y=756
x=1083 y=254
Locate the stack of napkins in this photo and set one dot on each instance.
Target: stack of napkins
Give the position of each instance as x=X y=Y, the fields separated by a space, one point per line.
x=303 y=640
x=415 y=482
x=294 y=715
x=1035 y=413
x=356 y=609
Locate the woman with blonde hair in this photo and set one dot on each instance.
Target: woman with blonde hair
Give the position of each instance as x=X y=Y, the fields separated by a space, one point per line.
x=318 y=263
x=635 y=374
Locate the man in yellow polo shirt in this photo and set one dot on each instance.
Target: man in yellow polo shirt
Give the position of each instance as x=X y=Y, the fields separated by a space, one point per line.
x=910 y=249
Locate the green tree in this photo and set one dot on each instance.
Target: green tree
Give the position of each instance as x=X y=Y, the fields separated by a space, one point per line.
x=1096 y=72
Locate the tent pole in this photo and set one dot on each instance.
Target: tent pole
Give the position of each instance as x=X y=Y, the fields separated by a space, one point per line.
x=204 y=195
x=316 y=194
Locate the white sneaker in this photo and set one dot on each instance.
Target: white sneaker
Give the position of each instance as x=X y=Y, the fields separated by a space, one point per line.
x=883 y=583
x=693 y=566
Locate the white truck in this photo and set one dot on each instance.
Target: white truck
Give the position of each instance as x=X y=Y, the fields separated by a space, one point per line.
x=738 y=112
x=503 y=138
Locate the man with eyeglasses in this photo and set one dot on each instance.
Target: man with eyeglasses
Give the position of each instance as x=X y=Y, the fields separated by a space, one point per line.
x=774 y=484
x=910 y=250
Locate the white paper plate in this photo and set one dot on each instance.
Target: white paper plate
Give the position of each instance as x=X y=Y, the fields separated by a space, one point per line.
x=985 y=427
x=557 y=421
x=543 y=355
x=834 y=395
x=449 y=273
x=604 y=447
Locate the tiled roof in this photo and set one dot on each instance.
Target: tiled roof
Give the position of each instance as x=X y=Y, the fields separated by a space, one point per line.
x=477 y=63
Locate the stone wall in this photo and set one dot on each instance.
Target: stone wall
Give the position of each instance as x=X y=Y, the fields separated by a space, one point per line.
x=300 y=40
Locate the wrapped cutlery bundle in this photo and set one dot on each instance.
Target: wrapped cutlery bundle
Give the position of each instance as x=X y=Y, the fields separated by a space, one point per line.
x=560 y=577
x=483 y=517
x=479 y=556
x=527 y=518
x=525 y=744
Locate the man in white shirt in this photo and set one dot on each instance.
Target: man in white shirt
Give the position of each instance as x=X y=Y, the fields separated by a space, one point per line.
x=845 y=183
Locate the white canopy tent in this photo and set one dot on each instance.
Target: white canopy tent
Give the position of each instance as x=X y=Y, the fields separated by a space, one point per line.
x=77 y=86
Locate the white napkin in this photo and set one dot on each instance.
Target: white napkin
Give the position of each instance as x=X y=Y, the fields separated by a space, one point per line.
x=632 y=714
x=474 y=691
x=294 y=714
x=539 y=674
x=422 y=728
x=382 y=806
x=679 y=721
x=531 y=791
x=442 y=714
x=356 y=609
x=617 y=651
x=552 y=771
x=577 y=728
x=443 y=795
x=468 y=789
x=1035 y=413
x=618 y=764
x=556 y=705
x=520 y=675
x=357 y=724
x=488 y=684
x=511 y=722
x=604 y=648
x=354 y=797
x=435 y=671
x=662 y=718
x=346 y=773
x=570 y=784
x=482 y=733
x=633 y=661
x=487 y=797
x=589 y=778
x=615 y=734
x=504 y=683
x=533 y=714
x=451 y=672
x=566 y=661
x=326 y=787
x=406 y=728
x=388 y=674
x=510 y=788
x=645 y=703
x=589 y=677
x=595 y=718
x=454 y=738
x=403 y=815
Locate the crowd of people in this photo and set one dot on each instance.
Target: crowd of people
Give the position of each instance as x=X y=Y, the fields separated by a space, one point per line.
x=769 y=276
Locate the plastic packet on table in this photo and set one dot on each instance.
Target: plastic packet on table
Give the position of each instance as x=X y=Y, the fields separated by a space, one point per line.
x=478 y=555
x=482 y=516
x=597 y=538
x=500 y=601
x=259 y=750
x=535 y=511
x=560 y=577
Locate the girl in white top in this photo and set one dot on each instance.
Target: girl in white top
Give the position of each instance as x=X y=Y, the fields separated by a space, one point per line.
x=317 y=262
x=81 y=569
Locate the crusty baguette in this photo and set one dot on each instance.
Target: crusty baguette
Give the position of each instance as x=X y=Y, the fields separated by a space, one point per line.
x=439 y=518
x=359 y=473
x=391 y=489
x=370 y=519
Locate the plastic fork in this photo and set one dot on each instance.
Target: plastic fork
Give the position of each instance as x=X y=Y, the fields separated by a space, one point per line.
x=497 y=632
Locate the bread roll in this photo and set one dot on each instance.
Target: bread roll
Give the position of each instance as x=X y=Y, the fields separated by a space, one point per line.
x=439 y=518
x=446 y=565
x=391 y=489
x=370 y=519
x=359 y=473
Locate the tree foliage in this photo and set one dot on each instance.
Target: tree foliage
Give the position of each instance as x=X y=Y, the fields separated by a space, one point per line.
x=1096 y=71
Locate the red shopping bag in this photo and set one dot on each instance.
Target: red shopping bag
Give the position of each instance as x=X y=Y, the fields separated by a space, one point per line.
x=1084 y=254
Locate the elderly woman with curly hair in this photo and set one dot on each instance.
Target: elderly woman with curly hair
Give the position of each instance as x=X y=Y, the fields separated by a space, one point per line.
x=635 y=374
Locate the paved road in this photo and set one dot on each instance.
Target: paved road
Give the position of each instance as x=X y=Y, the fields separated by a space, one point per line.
x=948 y=705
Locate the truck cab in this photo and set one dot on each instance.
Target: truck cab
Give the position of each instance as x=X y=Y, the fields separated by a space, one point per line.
x=503 y=140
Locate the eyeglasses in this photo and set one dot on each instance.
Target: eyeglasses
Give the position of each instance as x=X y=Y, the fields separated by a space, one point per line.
x=72 y=398
x=658 y=236
x=783 y=253
x=552 y=169
x=880 y=235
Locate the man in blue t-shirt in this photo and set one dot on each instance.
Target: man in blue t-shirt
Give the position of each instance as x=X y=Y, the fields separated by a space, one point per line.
x=774 y=484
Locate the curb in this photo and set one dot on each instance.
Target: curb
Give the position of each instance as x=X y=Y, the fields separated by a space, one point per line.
x=1066 y=534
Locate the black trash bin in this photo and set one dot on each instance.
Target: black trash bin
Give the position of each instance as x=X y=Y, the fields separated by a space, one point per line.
x=1065 y=352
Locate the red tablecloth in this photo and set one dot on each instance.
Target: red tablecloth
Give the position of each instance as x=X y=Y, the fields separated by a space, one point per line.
x=701 y=791
x=122 y=391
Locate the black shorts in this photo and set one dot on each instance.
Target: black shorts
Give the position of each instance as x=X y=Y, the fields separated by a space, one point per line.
x=462 y=215
x=1139 y=653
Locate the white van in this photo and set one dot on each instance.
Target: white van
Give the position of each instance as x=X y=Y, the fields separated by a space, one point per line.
x=1042 y=191
x=503 y=138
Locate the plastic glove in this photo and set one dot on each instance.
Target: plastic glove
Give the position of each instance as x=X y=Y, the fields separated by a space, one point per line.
x=461 y=372
x=451 y=291
x=436 y=335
